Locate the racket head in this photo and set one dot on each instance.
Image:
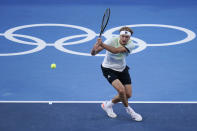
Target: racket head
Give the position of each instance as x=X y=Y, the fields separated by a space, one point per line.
x=105 y=20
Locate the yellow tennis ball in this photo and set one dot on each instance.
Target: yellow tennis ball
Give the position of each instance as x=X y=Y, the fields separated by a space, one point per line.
x=53 y=66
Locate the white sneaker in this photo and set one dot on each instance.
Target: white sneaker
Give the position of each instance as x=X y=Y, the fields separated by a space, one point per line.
x=108 y=110
x=135 y=116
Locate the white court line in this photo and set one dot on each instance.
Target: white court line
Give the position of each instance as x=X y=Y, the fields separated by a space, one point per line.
x=50 y=102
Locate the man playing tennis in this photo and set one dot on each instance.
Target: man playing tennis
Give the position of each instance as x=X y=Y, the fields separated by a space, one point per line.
x=116 y=71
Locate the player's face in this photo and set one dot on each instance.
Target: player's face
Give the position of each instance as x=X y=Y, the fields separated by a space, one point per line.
x=124 y=39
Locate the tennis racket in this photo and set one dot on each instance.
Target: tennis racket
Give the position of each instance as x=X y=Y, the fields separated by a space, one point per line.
x=105 y=21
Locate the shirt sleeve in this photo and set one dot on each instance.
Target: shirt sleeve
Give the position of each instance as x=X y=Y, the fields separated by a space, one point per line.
x=130 y=46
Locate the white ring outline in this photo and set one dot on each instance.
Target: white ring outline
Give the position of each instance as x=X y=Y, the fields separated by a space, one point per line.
x=9 y=32
x=190 y=34
x=40 y=46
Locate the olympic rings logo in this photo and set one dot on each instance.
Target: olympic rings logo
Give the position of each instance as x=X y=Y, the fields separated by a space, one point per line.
x=90 y=34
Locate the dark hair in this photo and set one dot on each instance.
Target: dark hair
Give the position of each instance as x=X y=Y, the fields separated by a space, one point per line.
x=126 y=29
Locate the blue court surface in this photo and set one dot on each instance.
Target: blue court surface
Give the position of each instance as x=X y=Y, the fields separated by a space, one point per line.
x=36 y=33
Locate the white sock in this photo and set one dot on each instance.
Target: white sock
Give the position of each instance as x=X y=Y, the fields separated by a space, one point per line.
x=110 y=103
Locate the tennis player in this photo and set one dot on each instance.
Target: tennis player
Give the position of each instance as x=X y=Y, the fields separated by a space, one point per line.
x=116 y=71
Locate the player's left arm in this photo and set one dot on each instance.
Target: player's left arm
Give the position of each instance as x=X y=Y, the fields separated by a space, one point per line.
x=113 y=49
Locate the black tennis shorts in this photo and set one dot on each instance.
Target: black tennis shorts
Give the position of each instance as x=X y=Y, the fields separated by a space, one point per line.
x=112 y=75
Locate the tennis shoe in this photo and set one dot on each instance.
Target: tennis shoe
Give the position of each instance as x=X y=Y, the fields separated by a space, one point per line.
x=108 y=110
x=135 y=116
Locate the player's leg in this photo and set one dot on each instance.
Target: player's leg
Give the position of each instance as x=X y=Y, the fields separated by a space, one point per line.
x=128 y=89
x=125 y=79
x=110 y=75
x=121 y=92
x=107 y=105
x=124 y=92
x=116 y=99
x=129 y=110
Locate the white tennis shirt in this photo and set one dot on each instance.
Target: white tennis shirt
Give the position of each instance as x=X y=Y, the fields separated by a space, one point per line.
x=117 y=61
